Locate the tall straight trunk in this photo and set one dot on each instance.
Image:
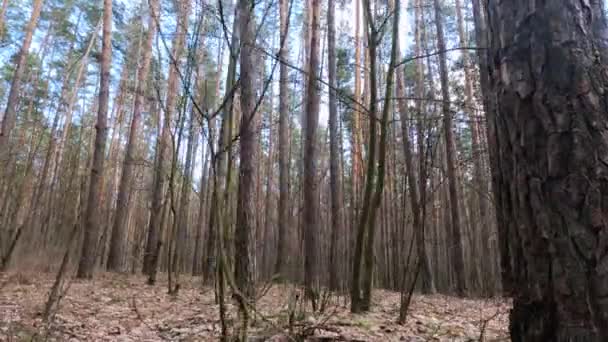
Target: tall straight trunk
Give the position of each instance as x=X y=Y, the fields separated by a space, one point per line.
x=551 y=127
x=268 y=207
x=92 y=218
x=118 y=240
x=206 y=171
x=357 y=300
x=426 y=276
x=244 y=236
x=184 y=202
x=311 y=194
x=457 y=253
x=337 y=215
x=479 y=209
x=481 y=41
x=382 y=148
x=8 y=120
x=356 y=140
x=283 y=207
x=204 y=186
x=118 y=129
x=154 y=242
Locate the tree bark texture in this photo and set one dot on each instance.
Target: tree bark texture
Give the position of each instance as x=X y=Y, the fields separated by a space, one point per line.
x=548 y=76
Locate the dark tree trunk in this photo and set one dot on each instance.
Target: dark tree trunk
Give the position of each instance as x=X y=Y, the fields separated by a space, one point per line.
x=548 y=77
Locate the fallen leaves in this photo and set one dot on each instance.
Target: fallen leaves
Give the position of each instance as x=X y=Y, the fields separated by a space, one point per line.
x=123 y=308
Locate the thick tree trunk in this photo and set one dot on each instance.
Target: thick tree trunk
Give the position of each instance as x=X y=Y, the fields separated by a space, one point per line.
x=548 y=77
x=8 y=120
x=118 y=241
x=92 y=214
x=457 y=253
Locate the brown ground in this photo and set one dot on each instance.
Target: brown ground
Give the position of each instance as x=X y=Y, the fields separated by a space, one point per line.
x=123 y=308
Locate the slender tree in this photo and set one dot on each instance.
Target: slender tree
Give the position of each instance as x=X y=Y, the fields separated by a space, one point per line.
x=118 y=240
x=154 y=241
x=415 y=178
x=284 y=203
x=8 y=120
x=92 y=213
x=457 y=253
x=337 y=218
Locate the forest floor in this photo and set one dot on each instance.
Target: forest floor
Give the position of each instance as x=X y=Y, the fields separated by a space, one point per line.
x=123 y=308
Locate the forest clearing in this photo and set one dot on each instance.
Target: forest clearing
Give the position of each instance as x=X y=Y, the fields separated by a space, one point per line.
x=304 y=170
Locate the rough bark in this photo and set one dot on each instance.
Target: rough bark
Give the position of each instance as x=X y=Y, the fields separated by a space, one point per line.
x=92 y=213
x=548 y=78
x=244 y=235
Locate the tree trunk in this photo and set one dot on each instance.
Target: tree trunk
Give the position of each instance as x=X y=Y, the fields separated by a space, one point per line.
x=8 y=120
x=222 y=158
x=249 y=136
x=548 y=77
x=118 y=240
x=479 y=209
x=337 y=215
x=154 y=242
x=311 y=194
x=283 y=207
x=481 y=39
x=457 y=248
x=92 y=218
x=356 y=140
